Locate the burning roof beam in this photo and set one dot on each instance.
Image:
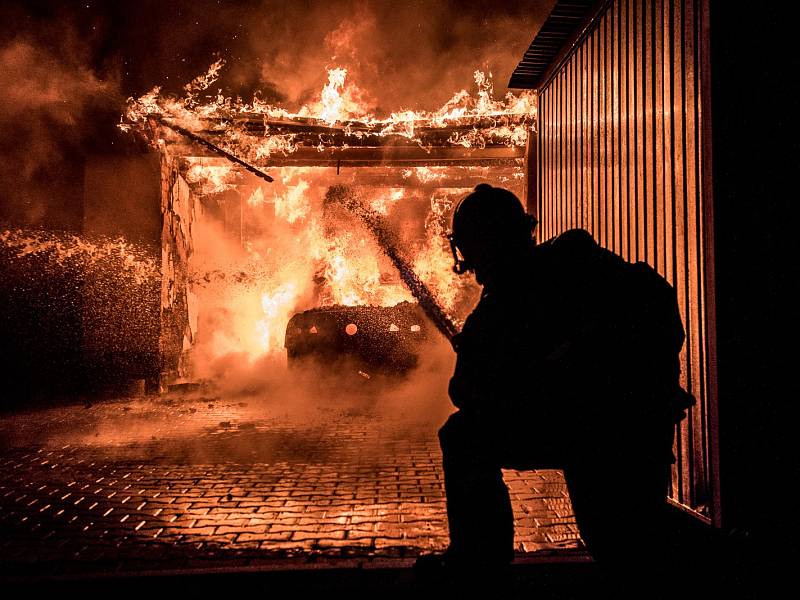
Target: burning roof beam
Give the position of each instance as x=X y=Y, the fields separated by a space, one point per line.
x=216 y=150
x=411 y=133
x=403 y=156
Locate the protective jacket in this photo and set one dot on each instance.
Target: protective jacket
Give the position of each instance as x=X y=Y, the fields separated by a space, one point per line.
x=580 y=339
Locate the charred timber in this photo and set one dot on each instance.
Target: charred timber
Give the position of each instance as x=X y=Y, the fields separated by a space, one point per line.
x=257 y=124
x=427 y=138
x=454 y=177
x=354 y=134
x=396 y=156
x=216 y=149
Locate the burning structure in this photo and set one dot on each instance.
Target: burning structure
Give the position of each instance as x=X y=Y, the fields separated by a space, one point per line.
x=216 y=260
x=252 y=233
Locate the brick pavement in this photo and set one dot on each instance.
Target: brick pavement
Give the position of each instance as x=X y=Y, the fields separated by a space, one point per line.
x=193 y=482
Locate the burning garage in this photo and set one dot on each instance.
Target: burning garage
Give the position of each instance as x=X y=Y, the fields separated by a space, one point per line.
x=192 y=273
x=320 y=230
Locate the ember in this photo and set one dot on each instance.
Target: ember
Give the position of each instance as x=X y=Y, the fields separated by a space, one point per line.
x=59 y=251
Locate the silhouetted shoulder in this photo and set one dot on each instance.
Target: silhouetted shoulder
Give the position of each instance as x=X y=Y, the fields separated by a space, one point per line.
x=575 y=239
x=479 y=325
x=575 y=243
x=571 y=247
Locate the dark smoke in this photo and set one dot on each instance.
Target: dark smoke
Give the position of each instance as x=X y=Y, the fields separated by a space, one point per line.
x=66 y=68
x=413 y=54
x=56 y=105
x=405 y=55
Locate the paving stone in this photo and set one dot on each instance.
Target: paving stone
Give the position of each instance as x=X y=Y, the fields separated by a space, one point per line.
x=343 y=485
x=315 y=535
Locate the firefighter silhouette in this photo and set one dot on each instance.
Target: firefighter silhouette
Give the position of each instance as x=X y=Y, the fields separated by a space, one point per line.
x=569 y=361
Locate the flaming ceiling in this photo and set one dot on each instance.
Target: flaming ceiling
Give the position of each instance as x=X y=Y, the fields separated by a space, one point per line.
x=339 y=117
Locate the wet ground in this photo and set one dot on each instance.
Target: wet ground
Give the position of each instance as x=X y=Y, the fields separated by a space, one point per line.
x=196 y=481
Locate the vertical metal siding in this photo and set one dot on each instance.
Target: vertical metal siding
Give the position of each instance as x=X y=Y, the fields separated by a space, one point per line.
x=621 y=155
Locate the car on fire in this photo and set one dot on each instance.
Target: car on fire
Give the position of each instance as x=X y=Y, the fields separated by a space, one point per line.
x=370 y=339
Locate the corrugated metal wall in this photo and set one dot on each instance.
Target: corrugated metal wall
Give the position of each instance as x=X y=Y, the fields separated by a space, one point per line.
x=621 y=155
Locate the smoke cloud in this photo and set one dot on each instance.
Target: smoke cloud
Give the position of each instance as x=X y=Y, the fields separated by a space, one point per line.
x=66 y=67
x=50 y=100
x=406 y=55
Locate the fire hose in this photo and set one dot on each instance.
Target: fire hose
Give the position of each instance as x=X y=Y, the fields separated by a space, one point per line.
x=348 y=198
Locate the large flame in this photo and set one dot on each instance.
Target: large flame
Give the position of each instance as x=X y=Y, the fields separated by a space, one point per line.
x=211 y=178
x=337 y=103
x=298 y=255
x=278 y=306
x=285 y=250
x=341 y=102
x=383 y=202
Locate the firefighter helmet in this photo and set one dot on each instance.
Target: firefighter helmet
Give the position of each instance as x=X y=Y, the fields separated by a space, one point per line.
x=488 y=220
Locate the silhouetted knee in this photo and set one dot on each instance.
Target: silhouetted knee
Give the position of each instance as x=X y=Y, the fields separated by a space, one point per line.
x=456 y=433
x=467 y=446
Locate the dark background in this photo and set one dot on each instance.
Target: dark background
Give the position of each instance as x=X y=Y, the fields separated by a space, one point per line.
x=756 y=159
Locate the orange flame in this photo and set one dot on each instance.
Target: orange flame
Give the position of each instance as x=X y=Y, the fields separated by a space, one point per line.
x=211 y=177
x=340 y=101
x=384 y=202
x=278 y=307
